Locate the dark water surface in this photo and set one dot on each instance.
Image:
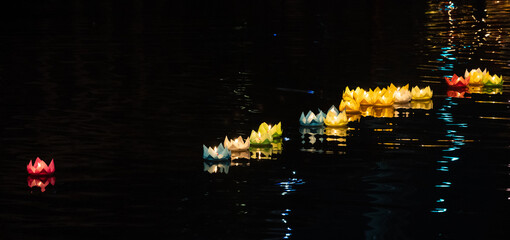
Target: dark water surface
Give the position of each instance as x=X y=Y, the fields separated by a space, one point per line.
x=123 y=95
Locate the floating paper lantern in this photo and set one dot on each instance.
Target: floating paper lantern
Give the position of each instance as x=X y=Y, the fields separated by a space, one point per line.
x=39 y=168
x=384 y=98
x=260 y=138
x=493 y=81
x=402 y=95
x=217 y=167
x=367 y=98
x=457 y=81
x=421 y=94
x=275 y=132
x=348 y=93
x=312 y=120
x=476 y=76
x=216 y=153
x=349 y=105
x=426 y=105
x=335 y=118
x=40 y=181
x=237 y=144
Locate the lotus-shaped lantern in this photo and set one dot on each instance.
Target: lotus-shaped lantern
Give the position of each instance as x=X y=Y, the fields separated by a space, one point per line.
x=426 y=105
x=260 y=138
x=367 y=97
x=335 y=118
x=216 y=153
x=384 y=98
x=40 y=181
x=476 y=76
x=216 y=167
x=39 y=168
x=402 y=95
x=457 y=82
x=421 y=94
x=349 y=105
x=237 y=144
x=275 y=132
x=312 y=120
x=493 y=81
x=348 y=93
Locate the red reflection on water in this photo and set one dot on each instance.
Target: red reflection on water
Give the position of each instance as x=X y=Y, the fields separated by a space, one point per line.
x=457 y=93
x=41 y=182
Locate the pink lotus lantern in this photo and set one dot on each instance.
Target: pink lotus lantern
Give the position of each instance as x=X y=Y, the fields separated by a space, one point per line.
x=457 y=81
x=41 y=182
x=39 y=168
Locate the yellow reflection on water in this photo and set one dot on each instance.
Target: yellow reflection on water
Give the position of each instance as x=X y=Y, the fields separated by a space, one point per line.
x=426 y=105
x=260 y=153
x=383 y=112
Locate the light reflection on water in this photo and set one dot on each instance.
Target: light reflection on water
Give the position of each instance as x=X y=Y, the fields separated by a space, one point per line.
x=135 y=107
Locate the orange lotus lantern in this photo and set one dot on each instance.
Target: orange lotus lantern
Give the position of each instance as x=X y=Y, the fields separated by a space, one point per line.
x=349 y=105
x=39 y=168
x=457 y=81
x=41 y=182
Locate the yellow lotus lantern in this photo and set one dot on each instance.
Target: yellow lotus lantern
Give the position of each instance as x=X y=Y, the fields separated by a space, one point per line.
x=421 y=94
x=384 y=98
x=260 y=138
x=476 y=76
x=334 y=118
x=348 y=93
x=493 y=81
x=367 y=97
x=349 y=105
x=275 y=131
x=402 y=95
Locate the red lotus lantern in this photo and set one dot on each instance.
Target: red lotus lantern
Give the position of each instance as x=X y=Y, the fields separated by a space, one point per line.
x=457 y=81
x=41 y=182
x=39 y=168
